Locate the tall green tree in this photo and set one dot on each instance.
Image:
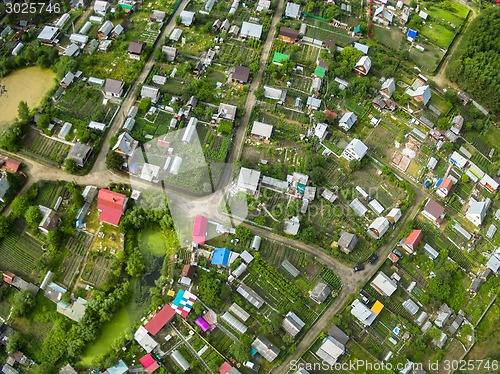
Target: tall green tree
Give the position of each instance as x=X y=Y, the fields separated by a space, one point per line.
x=23 y=112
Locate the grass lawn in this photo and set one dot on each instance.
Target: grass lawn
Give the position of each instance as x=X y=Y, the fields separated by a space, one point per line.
x=487 y=335
x=429 y=58
x=441 y=14
x=438 y=34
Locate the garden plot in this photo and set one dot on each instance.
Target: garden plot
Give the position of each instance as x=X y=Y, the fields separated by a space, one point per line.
x=377 y=185
x=49 y=193
x=235 y=53
x=77 y=246
x=47 y=149
x=323 y=31
x=391 y=38
x=20 y=252
x=151 y=125
x=307 y=55
x=428 y=59
x=96 y=269
x=381 y=141
x=85 y=103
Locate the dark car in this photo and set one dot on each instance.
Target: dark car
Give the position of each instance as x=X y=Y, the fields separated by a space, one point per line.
x=373 y=258
x=358 y=267
x=397 y=253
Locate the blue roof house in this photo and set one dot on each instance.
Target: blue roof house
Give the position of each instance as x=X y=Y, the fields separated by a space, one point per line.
x=411 y=35
x=221 y=256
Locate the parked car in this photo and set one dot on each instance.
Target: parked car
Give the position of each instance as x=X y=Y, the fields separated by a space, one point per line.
x=397 y=253
x=373 y=258
x=358 y=267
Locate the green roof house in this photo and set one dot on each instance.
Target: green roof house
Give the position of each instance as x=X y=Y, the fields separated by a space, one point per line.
x=320 y=72
x=358 y=30
x=279 y=58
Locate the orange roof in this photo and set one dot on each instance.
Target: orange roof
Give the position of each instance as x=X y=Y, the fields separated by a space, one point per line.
x=446 y=183
x=377 y=307
x=414 y=238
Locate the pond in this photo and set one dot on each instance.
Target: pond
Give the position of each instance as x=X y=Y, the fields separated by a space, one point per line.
x=30 y=85
x=153 y=247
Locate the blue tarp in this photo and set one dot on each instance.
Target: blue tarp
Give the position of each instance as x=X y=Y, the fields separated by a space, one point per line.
x=221 y=256
x=119 y=368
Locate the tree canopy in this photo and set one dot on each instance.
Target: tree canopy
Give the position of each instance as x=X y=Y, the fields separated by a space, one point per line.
x=476 y=67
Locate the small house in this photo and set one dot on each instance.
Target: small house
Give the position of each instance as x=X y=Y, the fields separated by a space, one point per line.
x=111 y=206
x=248 y=181
x=125 y=144
x=262 y=130
x=444 y=187
x=412 y=241
x=383 y=16
x=113 y=88
x=105 y=30
x=241 y=74
x=363 y=66
x=362 y=313
x=135 y=50
x=355 y=150
x=250 y=30
x=80 y=153
x=170 y=53
x=150 y=92
x=330 y=350
x=477 y=211
x=348 y=120
x=292 y=324
x=67 y=80
x=388 y=88
x=434 y=212
x=101 y=7
x=384 y=285
x=157 y=16
x=320 y=293
x=288 y=35
x=394 y=215
x=48 y=35
x=292 y=10
x=347 y=241
x=422 y=94
x=187 y=18
x=411 y=35
x=175 y=35
x=378 y=227
x=265 y=348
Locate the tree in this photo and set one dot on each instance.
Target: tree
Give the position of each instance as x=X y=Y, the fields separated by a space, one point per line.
x=465 y=178
x=19 y=205
x=5 y=224
x=22 y=302
x=354 y=165
x=33 y=216
x=23 y=112
x=434 y=333
x=144 y=104
x=114 y=161
x=70 y=166
x=135 y=264
x=43 y=121
x=15 y=342
x=243 y=233
x=225 y=127
x=240 y=352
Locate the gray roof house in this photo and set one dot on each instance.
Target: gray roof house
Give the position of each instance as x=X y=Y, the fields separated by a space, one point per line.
x=67 y=80
x=170 y=53
x=125 y=144
x=250 y=30
x=262 y=130
x=494 y=263
x=248 y=181
x=338 y=335
x=150 y=92
x=388 y=88
x=348 y=120
x=265 y=348
x=241 y=74
x=330 y=350
x=477 y=211
x=347 y=241
x=292 y=324
x=443 y=316
x=292 y=10
x=362 y=313
x=4 y=185
x=320 y=292
x=80 y=153
x=187 y=18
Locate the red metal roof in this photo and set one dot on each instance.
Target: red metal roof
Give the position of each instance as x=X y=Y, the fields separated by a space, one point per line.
x=149 y=363
x=110 y=204
x=160 y=319
x=10 y=165
x=414 y=238
x=188 y=271
x=447 y=183
x=200 y=229
x=225 y=367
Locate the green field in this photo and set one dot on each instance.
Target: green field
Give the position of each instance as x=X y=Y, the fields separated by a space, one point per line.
x=48 y=194
x=20 y=252
x=438 y=34
x=441 y=14
x=48 y=149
